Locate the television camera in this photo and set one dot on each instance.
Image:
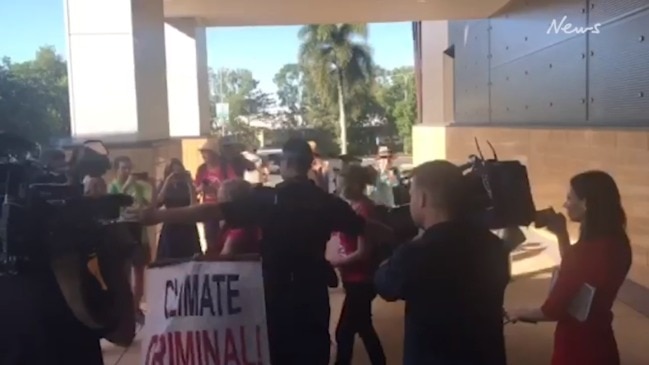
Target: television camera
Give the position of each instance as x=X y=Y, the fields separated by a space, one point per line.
x=498 y=196
x=46 y=223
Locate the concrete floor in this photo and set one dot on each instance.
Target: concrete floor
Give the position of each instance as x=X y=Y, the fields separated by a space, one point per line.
x=526 y=344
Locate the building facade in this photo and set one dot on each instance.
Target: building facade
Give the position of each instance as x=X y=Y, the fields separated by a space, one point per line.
x=562 y=85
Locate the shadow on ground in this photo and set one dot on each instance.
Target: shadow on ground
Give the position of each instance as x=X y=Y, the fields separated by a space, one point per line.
x=526 y=344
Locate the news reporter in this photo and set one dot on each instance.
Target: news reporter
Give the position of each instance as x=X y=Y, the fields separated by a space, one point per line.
x=452 y=277
x=601 y=258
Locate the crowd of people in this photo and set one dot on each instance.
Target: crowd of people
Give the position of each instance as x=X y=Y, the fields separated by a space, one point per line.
x=452 y=276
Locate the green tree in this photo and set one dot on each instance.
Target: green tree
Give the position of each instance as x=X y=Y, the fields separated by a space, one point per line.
x=290 y=83
x=34 y=99
x=239 y=89
x=397 y=95
x=339 y=63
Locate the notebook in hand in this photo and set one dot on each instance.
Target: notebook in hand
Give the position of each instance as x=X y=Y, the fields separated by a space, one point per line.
x=580 y=306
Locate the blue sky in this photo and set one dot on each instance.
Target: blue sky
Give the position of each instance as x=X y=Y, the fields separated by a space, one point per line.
x=27 y=24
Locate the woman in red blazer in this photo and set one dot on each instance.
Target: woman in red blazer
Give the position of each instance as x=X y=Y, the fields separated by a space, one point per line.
x=601 y=258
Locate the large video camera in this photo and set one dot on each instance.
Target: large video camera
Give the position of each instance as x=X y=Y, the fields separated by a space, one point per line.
x=499 y=191
x=46 y=222
x=498 y=196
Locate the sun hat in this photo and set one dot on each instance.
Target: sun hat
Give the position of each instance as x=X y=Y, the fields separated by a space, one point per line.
x=212 y=144
x=384 y=152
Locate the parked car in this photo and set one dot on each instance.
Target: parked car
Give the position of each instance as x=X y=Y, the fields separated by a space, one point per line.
x=271 y=158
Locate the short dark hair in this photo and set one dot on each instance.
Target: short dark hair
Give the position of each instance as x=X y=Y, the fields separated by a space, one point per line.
x=121 y=159
x=445 y=182
x=297 y=154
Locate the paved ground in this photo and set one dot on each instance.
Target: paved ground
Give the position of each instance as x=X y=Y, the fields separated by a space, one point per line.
x=526 y=344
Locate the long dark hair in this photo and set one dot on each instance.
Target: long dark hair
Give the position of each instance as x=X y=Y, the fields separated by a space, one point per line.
x=169 y=169
x=605 y=216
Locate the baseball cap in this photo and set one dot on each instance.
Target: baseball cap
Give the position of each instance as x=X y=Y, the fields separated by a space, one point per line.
x=297 y=148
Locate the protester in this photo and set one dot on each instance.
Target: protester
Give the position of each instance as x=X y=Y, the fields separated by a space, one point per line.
x=381 y=190
x=179 y=240
x=318 y=172
x=296 y=219
x=452 y=277
x=235 y=241
x=601 y=258
x=135 y=185
x=209 y=176
x=356 y=265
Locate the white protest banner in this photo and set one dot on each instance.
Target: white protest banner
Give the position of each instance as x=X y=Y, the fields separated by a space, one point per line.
x=205 y=313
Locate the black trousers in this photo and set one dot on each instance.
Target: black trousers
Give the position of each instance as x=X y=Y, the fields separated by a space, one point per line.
x=298 y=325
x=356 y=318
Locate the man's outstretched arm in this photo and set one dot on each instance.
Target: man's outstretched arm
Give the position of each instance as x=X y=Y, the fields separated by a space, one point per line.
x=187 y=215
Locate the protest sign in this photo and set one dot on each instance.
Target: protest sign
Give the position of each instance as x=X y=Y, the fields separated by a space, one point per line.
x=205 y=313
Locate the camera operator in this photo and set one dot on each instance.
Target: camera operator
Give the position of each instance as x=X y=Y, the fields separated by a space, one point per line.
x=296 y=219
x=37 y=324
x=452 y=277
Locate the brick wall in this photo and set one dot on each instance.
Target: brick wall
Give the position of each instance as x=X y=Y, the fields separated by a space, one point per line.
x=553 y=156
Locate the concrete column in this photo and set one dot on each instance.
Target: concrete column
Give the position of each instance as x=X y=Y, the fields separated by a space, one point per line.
x=429 y=137
x=117 y=68
x=187 y=78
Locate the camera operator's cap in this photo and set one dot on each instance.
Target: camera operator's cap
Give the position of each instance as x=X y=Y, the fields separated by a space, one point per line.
x=384 y=152
x=213 y=144
x=297 y=148
x=358 y=173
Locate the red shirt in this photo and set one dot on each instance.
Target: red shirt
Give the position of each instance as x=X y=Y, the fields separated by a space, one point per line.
x=246 y=240
x=604 y=265
x=363 y=270
x=215 y=176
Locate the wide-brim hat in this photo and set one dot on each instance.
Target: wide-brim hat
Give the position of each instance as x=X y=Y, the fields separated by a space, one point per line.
x=384 y=152
x=213 y=144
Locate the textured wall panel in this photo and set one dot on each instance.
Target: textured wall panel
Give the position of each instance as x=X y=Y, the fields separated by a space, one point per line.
x=524 y=29
x=548 y=86
x=602 y=11
x=471 y=41
x=619 y=71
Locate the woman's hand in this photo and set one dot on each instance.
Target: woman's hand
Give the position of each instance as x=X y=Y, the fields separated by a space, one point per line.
x=557 y=224
x=514 y=315
x=521 y=315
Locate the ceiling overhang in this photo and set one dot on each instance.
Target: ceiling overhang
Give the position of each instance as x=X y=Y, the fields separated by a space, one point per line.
x=294 y=12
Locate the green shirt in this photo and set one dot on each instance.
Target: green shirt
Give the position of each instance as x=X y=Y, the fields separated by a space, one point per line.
x=141 y=194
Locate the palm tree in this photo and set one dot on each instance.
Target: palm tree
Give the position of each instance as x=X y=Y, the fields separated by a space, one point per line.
x=338 y=61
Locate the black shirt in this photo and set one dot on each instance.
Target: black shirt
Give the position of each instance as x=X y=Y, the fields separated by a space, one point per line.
x=453 y=281
x=296 y=219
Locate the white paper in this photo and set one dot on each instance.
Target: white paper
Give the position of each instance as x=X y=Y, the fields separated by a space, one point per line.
x=220 y=319
x=579 y=307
